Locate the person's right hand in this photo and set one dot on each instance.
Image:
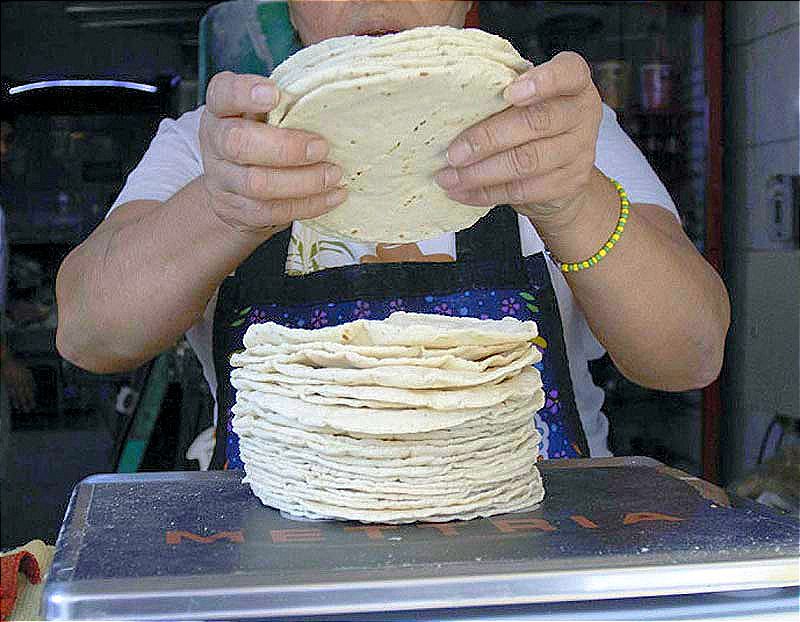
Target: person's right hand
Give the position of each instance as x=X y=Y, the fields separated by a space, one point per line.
x=259 y=177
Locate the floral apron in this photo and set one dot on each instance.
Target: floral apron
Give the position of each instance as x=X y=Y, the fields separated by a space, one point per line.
x=490 y=279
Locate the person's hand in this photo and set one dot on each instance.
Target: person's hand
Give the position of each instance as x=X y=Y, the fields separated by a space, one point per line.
x=537 y=155
x=260 y=178
x=18 y=381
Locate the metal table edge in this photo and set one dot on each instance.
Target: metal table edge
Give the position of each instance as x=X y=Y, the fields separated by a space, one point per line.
x=150 y=599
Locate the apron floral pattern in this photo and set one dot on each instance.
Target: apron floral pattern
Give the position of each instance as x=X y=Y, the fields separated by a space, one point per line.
x=373 y=291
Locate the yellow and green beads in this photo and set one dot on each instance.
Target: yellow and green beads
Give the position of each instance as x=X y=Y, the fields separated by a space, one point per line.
x=624 y=211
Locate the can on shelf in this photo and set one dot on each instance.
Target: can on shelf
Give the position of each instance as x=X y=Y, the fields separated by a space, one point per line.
x=656 y=81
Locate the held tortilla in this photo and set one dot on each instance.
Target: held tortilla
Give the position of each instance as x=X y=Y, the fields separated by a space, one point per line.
x=389 y=109
x=355 y=46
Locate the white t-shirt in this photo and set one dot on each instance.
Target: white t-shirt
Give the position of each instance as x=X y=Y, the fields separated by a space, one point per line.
x=173 y=160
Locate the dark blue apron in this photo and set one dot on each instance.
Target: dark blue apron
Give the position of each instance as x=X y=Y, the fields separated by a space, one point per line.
x=490 y=279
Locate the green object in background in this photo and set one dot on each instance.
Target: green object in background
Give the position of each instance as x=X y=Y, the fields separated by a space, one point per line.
x=244 y=36
x=146 y=415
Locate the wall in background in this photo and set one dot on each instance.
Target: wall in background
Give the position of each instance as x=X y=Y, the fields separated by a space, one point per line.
x=761 y=376
x=39 y=40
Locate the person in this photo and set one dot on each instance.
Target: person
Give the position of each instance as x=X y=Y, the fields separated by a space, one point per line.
x=205 y=238
x=18 y=386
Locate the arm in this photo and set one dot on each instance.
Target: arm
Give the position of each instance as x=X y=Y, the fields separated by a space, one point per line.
x=146 y=274
x=143 y=278
x=657 y=306
x=539 y=156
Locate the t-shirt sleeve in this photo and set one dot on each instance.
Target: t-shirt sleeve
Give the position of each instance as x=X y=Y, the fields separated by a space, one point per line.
x=171 y=161
x=618 y=157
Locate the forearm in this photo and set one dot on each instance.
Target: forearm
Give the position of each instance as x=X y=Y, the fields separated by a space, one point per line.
x=137 y=284
x=657 y=306
x=659 y=309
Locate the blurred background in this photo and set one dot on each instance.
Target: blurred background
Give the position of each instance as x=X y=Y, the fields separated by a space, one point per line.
x=707 y=90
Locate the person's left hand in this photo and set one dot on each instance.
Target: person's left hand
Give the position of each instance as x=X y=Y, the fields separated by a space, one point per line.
x=537 y=155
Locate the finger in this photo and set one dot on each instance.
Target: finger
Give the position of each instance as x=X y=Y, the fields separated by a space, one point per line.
x=266 y=183
x=567 y=73
x=554 y=185
x=250 y=142
x=513 y=127
x=231 y=95
x=531 y=159
x=305 y=208
x=253 y=215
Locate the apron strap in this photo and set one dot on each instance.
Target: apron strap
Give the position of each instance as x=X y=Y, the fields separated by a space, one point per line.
x=494 y=237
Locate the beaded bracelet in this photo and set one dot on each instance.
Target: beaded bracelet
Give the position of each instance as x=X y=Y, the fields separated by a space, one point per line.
x=624 y=210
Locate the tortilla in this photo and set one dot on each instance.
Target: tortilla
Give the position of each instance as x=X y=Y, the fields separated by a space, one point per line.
x=469 y=353
x=400 y=376
x=292 y=500
x=388 y=420
x=432 y=450
x=525 y=384
x=352 y=360
x=402 y=329
x=350 y=46
x=389 y=108
x=374 y=421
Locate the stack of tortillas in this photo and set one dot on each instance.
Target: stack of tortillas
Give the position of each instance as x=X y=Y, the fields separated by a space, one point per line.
x=416 y=417
x=389 y=107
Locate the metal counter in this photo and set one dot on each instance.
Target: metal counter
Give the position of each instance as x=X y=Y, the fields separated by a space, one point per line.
x=201 y=546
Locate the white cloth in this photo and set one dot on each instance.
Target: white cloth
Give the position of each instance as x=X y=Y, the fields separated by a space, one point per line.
x=202 y=448
x=173 y=160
